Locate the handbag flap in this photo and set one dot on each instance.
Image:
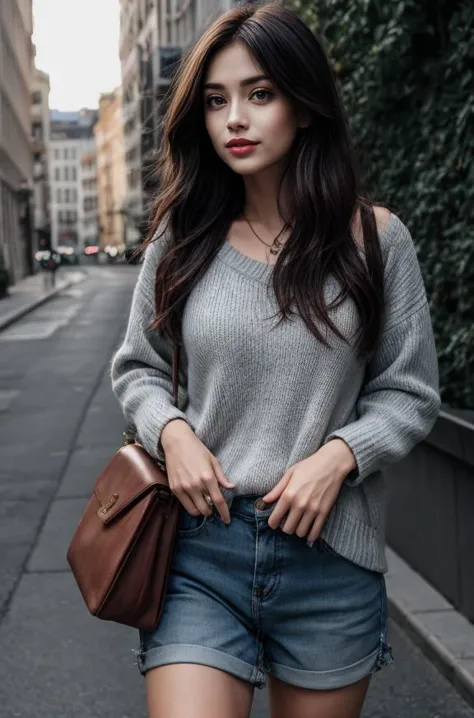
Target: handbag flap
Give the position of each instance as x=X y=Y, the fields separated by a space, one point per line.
x=129 y=475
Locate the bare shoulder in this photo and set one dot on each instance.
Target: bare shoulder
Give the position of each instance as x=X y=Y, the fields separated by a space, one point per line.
x=382 y=217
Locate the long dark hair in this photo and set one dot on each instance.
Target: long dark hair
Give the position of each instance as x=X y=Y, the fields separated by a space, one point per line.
x=200 y=196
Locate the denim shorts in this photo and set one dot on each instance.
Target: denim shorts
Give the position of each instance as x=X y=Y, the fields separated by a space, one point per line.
x=251 y=600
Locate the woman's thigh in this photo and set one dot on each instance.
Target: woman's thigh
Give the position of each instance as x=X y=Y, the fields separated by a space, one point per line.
x=287 y=700
x=186 y=690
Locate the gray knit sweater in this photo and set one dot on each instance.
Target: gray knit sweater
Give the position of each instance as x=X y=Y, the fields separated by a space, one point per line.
x=262 y=397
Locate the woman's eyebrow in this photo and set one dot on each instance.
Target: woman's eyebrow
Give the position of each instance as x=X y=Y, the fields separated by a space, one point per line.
x=243 y=83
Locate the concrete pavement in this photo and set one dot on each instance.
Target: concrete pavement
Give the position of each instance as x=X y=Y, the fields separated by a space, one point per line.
x=32 y=291
x=59 y=425
x=443 y=634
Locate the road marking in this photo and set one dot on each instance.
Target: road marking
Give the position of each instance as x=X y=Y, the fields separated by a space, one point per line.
x=27 y=331
x=39 y=328
x=72 y=292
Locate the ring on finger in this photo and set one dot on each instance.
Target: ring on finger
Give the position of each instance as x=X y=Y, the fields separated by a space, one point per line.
x=208 y=500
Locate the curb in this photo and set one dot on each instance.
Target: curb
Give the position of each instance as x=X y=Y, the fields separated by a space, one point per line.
x=414 y=591
x=19 y=313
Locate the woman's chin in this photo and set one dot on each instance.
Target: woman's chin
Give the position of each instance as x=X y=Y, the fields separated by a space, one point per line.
x=248 y=167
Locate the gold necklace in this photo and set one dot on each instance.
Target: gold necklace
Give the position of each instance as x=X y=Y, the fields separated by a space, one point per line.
x=276 y=245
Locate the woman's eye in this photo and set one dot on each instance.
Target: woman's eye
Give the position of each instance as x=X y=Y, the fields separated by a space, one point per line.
x=265 y=92
x=219 y=99
x=212 y=97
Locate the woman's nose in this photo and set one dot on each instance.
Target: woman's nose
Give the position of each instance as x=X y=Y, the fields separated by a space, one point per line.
x=236 y=117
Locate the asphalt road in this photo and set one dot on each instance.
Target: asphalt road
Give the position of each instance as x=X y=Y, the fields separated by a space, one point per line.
x=59 y=424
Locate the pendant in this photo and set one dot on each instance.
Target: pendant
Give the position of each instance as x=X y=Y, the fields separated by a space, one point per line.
x=275 y=248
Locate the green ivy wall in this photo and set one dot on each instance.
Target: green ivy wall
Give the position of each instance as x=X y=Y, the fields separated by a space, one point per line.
x=406 y=71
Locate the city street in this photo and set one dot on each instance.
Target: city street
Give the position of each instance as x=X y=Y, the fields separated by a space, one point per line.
x=59 y=425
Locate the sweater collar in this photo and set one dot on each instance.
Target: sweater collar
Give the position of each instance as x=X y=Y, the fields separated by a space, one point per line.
x=261 y=271
x=253 y=268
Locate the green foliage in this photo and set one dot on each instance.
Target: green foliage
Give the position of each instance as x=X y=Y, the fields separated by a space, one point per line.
x=406 y=71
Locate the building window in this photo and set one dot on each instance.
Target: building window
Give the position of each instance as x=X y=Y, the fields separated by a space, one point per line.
x=60 y=217
x=56 y=154
x=90 y=203
x=38 y=130
x=66 y=196
x=71 y=215
x=73 y=153
x=74 y=174
x=66 y=153
x=66 y=173
x=36 y=97
x=59 y=196
x=57 y=174
x=74 y=195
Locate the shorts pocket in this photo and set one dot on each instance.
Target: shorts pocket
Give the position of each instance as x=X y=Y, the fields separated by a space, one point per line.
x=189 y=525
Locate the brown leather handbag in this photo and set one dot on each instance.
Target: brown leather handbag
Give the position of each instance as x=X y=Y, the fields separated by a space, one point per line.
x=121 y=551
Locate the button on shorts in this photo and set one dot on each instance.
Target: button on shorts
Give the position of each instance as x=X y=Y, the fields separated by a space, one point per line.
x=251 y=600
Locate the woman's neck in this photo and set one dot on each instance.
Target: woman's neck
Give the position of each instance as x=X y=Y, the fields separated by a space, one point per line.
x=261 y=207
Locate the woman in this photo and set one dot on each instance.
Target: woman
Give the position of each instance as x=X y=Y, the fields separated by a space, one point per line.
x=307 y=364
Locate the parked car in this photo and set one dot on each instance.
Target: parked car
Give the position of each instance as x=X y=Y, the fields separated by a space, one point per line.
x=69 y=255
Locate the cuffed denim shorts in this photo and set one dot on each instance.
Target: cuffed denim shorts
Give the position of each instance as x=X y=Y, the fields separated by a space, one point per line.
x=251 y=600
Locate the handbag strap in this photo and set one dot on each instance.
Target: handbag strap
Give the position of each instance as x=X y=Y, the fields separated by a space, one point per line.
x=176 y=353
x=129 y=435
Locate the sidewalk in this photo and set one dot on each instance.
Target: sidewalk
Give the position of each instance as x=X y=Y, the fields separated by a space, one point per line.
x=444 y=635
x=30 y=292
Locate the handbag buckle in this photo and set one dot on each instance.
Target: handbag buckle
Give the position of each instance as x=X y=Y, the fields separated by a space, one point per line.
x=108 y=504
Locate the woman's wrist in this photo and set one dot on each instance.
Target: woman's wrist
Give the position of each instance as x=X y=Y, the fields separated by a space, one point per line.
x=345 y=459
x=173 y=431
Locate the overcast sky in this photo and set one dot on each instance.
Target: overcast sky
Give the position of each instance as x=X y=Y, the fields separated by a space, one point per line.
x=77 y=44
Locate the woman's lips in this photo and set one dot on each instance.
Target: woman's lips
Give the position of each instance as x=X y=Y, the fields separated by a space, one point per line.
x=241 y=150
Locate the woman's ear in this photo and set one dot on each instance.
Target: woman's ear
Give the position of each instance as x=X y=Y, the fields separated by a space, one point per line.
x=304 y=119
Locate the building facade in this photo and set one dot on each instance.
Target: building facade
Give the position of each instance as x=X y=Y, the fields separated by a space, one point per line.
x=16 y=160
x=64 y=184
x=135 y=15
x=207 y=11
x=40 y=147
x=111 y=173
x=149 y=34
x=154 y=34
x=71 y=139
x=88 y=206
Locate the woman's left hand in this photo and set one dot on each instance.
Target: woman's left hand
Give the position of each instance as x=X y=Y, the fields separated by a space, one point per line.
x=309 y=489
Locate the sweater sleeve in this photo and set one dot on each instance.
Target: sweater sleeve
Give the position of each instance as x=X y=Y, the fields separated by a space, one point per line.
x=399 y=401
x=141 y=369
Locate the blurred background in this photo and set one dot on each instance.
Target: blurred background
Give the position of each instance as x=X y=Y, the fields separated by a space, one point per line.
x=82 y=92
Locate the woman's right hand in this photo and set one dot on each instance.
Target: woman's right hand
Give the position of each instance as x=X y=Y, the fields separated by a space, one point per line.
x=193 y=470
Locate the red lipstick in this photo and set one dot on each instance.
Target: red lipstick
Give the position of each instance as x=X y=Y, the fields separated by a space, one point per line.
x=241 y=146
x=242 y=150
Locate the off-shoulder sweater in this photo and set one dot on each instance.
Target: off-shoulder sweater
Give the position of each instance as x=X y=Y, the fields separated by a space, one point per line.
x=262 y=397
